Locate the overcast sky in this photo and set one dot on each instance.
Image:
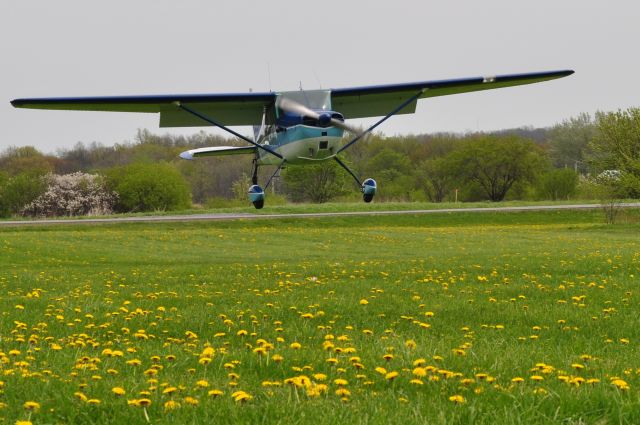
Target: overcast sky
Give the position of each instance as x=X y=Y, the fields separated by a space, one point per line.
x=117 y=47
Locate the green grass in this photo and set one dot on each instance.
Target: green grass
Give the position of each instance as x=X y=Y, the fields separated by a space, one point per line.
x=507 y=291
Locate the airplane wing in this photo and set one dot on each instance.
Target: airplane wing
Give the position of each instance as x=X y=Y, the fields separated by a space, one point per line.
x=229 y=109
x=370 y=101
x=217 y=151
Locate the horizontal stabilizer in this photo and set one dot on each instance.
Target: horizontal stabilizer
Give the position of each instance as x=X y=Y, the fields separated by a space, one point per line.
x=218 y=151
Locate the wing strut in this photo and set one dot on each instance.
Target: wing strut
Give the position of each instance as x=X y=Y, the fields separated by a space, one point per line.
x=386 y=117
x=343 y=165
x=227 y=129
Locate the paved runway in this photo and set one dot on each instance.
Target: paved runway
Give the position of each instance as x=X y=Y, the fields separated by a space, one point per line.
x=249 y=216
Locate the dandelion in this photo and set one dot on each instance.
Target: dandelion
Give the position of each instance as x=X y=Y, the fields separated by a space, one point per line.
x=295 y=346
x=191 y=401
x=241 y=396
x=391 y=376
x=343 y=392
x=458 y=399
x=31 y=405
x=171 y=405
x=202 y=383
x=215 y=393
x=118 y=391
x=169 y=390
x=620 y=384
x=364 y=302
x=517 y=380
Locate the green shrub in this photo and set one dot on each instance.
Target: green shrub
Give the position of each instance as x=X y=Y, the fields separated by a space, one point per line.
x=558 y=184
x=149 y=187
x=18 y=191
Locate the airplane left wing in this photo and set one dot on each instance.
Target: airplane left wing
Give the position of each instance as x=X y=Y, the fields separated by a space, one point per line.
x=229 y=109
x=372 y=101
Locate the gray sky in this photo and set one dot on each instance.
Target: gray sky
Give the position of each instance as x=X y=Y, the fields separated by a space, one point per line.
x=117 y=47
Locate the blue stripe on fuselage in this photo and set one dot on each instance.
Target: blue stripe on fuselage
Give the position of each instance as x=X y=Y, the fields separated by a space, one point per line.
x=301 y=132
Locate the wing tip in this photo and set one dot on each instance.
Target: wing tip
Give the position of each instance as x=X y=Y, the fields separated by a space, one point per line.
x=186 y=155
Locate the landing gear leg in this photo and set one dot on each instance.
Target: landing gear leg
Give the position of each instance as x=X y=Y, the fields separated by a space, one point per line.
x=256 y=193
x=367 y=187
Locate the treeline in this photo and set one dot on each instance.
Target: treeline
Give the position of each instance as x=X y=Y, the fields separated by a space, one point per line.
x=568 y=160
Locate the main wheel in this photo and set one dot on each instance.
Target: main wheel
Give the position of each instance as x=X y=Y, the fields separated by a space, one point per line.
x=256 y=196
x=369 y=188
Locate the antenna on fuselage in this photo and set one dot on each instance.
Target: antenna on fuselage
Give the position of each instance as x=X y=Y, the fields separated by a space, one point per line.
x=269 y=74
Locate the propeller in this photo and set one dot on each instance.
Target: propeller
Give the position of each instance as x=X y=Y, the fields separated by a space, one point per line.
x=323 y=118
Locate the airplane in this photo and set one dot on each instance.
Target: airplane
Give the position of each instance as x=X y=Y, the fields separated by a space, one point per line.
x=290 y=127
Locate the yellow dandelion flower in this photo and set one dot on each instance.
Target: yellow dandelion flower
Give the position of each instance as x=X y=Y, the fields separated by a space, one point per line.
x=277 y=358
x=343 y=392
x=381 y=370
x=241 y=396
x=93 y=401
x=171 y=405
x=118 y=391
x=169 y=390
x=458 y=399
x=364 y=302
x=295 y=346
x=191 y=401
x=80 y=396
x=202 y=383
x=24 y=423
x=517 y=380
x=536 y=378
x=620 y=384
x=391 y=376
x=319 y=376
x=215 y=393
x=416 y=382
x=340 y=382
x=31 y=405
x=420 y=372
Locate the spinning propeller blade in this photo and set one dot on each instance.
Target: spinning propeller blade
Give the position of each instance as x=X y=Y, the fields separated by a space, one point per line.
x=297 y=108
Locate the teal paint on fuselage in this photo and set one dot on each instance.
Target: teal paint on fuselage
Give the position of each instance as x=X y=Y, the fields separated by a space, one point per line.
x=301 y=144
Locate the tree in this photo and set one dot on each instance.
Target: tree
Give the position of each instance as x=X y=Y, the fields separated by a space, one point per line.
x=316 y=183
x=496 y=163
x=558 y=184
x=149 y=187
x=438 y=179
x=20 y=190
x=25 y=159
x=569 y=141
x=616 y=147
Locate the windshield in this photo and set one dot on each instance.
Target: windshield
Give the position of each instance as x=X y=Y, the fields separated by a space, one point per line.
x=314 y=99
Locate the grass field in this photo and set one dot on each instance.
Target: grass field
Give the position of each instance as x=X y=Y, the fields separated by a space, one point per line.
x=528 y=317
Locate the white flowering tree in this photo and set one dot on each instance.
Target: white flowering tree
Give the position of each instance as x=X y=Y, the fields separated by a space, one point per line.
x=73 y=194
